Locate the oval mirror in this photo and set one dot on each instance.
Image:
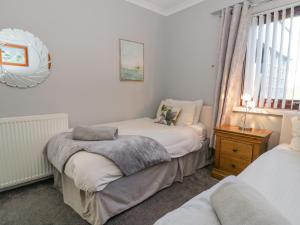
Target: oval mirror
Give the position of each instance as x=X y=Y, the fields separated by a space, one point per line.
x=24 y=60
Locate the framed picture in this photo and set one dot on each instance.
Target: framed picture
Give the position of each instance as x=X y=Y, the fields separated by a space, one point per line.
x=14 y=55
x=131 y=61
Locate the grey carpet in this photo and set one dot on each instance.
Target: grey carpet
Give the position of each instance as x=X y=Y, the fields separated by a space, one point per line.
x=42 y=204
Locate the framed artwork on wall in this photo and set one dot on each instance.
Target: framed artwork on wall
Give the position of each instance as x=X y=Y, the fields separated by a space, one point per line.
x=14 y=55
x=131 y=60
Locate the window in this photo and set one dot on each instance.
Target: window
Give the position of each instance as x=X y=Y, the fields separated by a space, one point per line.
x=272 y=73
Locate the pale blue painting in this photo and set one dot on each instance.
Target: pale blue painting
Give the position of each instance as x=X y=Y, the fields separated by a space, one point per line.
x=131 y=61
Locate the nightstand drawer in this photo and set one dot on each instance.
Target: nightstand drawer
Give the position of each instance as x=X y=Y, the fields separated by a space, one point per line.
x=232 y=165
x=237 y=150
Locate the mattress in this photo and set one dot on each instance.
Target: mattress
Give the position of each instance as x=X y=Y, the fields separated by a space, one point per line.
x=126 y=192
x=93 y=172
x=275 y=175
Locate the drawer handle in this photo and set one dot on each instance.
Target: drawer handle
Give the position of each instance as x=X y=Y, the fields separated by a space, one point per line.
x=235 y=150
x=233 y=166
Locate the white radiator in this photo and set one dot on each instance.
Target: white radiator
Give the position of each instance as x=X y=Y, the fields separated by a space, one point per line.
x=22 y=140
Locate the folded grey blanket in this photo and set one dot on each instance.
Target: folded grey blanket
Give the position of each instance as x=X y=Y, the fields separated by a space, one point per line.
x=130 y=153
x=240 y=204
x=94 y=133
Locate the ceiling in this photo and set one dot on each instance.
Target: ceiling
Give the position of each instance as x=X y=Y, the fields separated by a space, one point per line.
x=165 y=7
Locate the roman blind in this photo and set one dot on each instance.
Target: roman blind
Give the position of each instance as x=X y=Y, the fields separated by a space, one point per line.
x=272 y=72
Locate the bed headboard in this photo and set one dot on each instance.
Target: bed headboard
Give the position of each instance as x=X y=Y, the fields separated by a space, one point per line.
x=206 y=118
x=286 y=127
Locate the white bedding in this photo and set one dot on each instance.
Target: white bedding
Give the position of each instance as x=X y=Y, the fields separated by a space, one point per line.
x=92 y=172
x=276 y=175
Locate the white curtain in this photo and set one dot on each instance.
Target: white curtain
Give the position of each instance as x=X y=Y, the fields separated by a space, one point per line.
x=235 y=23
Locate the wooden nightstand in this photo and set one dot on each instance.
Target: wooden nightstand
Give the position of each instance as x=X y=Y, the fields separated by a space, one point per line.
x=236 y=149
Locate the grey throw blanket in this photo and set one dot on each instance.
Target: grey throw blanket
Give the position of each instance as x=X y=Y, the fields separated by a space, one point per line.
x=130 y=153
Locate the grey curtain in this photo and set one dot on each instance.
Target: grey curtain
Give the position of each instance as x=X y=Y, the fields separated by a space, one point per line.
x=235 y=23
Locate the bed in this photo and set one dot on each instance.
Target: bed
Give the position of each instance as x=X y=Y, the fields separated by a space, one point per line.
x=95 y=187
x=275 y=175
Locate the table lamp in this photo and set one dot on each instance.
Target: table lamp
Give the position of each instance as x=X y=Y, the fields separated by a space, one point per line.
x=249 y=105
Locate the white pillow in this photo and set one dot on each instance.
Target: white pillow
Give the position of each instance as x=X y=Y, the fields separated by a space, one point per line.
x=295 y=142
x=188 y=111
x=199 y=104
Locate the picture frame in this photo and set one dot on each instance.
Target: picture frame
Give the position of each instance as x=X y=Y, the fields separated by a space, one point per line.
x=14 y=55
x=131 y=57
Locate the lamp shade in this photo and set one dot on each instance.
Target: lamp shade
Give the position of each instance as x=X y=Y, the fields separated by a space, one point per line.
x=246 y=97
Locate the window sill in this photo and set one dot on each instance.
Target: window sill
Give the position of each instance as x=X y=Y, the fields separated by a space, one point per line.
x=266 y=112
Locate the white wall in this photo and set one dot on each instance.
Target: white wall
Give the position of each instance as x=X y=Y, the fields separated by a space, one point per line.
x=261 y=121
x=82 y=37
x=191 y=43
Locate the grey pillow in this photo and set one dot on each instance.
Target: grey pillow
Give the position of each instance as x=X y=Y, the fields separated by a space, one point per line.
x=94 y=133
x=240 y=204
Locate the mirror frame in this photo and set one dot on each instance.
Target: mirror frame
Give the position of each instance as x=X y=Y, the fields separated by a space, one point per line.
x=45 y=64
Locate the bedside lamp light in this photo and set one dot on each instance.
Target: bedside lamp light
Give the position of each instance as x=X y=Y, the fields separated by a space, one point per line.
x=249 y=105
x=246 y=98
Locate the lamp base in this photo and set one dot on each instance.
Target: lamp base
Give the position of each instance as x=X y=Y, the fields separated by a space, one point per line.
x=245 y=128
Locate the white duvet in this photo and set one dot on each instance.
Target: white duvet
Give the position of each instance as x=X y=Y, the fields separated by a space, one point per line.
x=276 y=175
x=92 y=172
